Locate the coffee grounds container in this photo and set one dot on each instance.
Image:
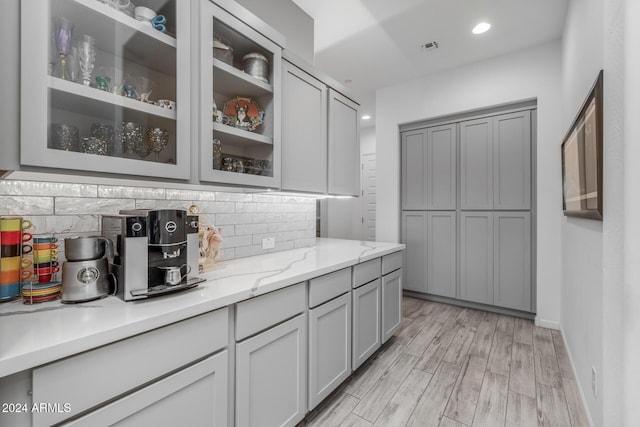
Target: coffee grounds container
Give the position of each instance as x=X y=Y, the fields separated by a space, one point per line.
x=148 y=243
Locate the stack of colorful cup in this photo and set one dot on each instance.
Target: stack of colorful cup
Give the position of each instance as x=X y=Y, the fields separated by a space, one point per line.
x=47 y=287
x=13 y=247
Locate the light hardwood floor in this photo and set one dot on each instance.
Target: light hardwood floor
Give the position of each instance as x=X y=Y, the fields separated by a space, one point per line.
x=454 y=367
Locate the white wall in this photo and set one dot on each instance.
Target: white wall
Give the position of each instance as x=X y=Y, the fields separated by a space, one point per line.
x=291 y=21
x=629 y=295
x=528 y=74
x=367 y=140
x=593 y=267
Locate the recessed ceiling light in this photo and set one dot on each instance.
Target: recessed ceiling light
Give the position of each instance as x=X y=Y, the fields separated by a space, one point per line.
x=482 y=27
x=348 y=81
x=366 y=117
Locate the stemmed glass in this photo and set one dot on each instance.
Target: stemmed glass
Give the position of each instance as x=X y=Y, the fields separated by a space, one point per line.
x=143 y=86
x=63 y=37
x=158 y=139
x=87 y=51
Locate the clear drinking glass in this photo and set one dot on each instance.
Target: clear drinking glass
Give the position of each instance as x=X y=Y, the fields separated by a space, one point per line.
x=87 y=51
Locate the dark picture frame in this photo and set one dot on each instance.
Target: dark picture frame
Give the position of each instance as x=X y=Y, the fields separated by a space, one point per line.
x=582 y=159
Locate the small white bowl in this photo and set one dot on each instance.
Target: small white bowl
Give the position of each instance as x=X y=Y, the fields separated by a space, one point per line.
x=166 y=103
x=144 y=13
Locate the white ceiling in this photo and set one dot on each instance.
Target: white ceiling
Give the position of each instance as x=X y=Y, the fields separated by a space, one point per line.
x=377 y=43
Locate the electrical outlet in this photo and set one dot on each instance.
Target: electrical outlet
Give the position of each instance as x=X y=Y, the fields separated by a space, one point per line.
x=594 y=381
x=269 y=243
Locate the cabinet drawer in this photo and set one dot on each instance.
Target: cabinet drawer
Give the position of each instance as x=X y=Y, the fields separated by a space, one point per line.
x=260 y=313
x=365 y=272
x=391 y=262
x=96 y=376
x=329 y=286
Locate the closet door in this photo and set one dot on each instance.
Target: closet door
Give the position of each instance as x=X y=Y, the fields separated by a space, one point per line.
x=512 y=260
x=476 y=257
x=414 y=235
x=441 y=253
x=512 y=161
x=476 y=164
x=441 y=167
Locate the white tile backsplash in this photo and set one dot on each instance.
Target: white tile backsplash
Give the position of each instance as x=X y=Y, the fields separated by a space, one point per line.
x=66 y=210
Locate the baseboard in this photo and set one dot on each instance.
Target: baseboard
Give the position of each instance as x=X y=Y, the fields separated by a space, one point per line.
x=549 y=324
x=573 y=367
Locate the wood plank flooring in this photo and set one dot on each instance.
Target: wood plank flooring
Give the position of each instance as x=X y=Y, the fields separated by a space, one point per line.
x=450 y=366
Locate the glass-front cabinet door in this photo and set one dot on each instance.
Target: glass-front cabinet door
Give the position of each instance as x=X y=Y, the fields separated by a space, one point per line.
x=240 y=96
x=105 y=86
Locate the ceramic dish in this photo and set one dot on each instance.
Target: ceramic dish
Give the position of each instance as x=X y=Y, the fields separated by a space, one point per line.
x=34 y=300
x=243 y=113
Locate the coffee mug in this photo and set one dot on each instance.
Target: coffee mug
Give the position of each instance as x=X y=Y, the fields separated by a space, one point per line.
x=14 y=224
x=14 y=237
x=45 y=240
x=14 y=263
x=45 y=252
x=39 y=259
x=11 y=276
x=44 y=278
x=46 y=264
x=9 y=291
x=7 y=251
x=44 y=274
x=42 y=246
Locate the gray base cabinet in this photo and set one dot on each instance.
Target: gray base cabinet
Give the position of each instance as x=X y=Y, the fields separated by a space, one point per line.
x=495 y=258
x=430 y=258
x=414 y=236
x=366 y=322
x=476 y=257
x=391 y=304
x=512 y=260
x=195 y=396
x=141 y=394
x=329 y=347
x=271 y=376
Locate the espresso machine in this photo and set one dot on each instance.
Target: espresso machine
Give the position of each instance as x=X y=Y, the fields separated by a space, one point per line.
x=156 y=251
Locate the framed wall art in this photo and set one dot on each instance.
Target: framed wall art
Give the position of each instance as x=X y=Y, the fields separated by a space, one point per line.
x=582 y=159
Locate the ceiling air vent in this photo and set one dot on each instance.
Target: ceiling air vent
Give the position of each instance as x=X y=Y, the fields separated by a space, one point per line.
x=429 y=46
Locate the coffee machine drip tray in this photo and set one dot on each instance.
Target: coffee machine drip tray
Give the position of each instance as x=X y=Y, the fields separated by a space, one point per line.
x=164 y=289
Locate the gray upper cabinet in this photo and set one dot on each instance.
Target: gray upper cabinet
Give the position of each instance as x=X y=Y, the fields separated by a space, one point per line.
x=512 y=161
x=476 y=164
x=495 y=162
x=241 y=143
x=441 y=253
x=441 y=167
x=429 y=168
x=304 y=131
x=512 y=260
x=476 y=257
x=67 y=122
x=414 y=152
x=344 y=145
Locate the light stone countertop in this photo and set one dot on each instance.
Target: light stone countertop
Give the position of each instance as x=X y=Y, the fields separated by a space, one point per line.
x=32 y=335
